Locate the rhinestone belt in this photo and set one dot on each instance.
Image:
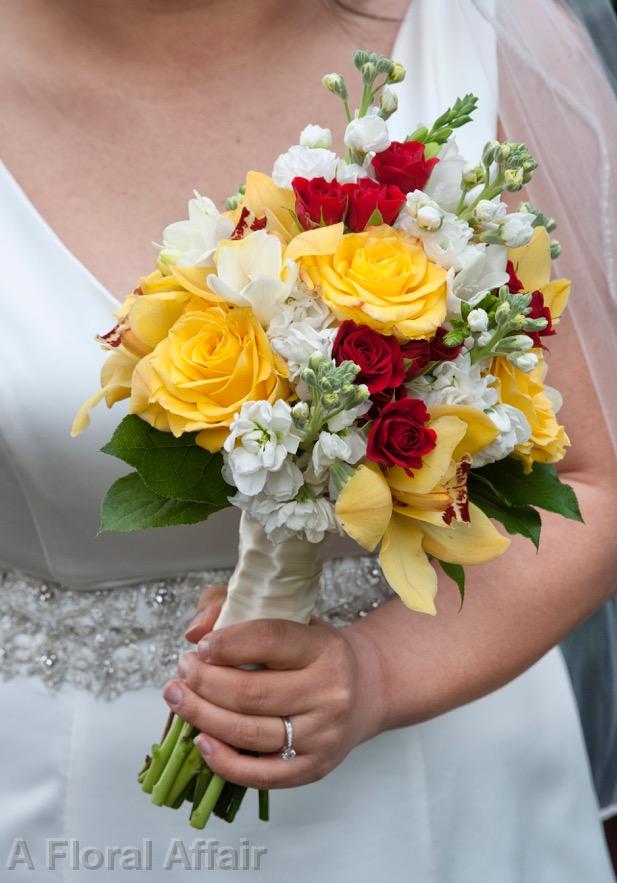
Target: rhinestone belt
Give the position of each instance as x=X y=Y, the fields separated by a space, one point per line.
x=108 y=641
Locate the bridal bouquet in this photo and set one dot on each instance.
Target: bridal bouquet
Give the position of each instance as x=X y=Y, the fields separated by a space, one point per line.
x=356 y=345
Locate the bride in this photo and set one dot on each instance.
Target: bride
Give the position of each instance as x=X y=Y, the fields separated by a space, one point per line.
x=443 y=749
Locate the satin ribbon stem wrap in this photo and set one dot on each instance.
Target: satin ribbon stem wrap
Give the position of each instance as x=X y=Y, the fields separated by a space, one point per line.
x=272 y=581
x=269 y=582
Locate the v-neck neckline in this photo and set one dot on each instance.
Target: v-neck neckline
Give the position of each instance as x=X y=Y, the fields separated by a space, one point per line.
x=21 y=194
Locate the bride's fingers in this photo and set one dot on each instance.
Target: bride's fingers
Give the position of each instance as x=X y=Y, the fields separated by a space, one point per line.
x=265 y=772
x=208 y=608
x=250 y=732
x=247 y=692
x=277 y=643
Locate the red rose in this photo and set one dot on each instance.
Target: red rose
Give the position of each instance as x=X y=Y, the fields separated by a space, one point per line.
x=514 y=283
x=367 y=195
x=420 y=352
x=319 y=200
x=440 y=351
x=403 y=164
x=539 y=310
x=399 y=437
x=379 y=400
x=379 y=356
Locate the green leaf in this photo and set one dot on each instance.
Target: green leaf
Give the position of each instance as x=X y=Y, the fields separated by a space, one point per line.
x=170 y=467
x=541 y=487
x=456 y=572
x=130 y=505
x=516 y=519
x=375 y=219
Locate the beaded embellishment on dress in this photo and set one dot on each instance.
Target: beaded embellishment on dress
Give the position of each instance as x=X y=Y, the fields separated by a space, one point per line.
x=108 y=641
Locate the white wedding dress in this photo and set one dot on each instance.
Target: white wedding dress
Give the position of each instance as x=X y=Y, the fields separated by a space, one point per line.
x=498 y=791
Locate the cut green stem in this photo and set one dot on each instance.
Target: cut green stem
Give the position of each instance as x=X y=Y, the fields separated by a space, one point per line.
x=180 y=751
x=161 y=754
x=200 y=816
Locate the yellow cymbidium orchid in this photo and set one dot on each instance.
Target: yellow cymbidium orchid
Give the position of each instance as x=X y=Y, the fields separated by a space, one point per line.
x=424 y=514
x=532 y=265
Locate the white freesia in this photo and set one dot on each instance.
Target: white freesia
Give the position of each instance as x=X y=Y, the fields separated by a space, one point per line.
x=350 y=173
x=478 y=320
x=260 y=438
x=250 y=272
x=367 y=134
x=350 y=447
x=311 y=517
x=194 y=241
x=517 y=229
x=484 y=269
x=444 y=184
x=304 y=162
x=315 y=136
x=513 y=429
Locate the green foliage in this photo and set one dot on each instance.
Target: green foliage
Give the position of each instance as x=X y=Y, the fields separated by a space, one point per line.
x=503 y=491
x=177 y=482
x=456 y=572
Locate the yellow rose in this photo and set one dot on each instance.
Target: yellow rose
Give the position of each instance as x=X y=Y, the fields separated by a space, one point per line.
x=382 y=278
x=527 y=392
x=144 y=318
x=212 y=361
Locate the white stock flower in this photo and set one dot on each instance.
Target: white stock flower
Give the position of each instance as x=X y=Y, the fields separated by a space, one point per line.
x=456 y=383
x=517 y=229
x=349 y=447
x=260 y=438
x=250 y=272
x=513 y=429
x=285 y=483
x=348 y=417
x=304 y=162
x=193 y=242
x=445 y=237
x=300 y=328
x=315 y=136
x=478 y=320
x=283 y=520
x=367 y=134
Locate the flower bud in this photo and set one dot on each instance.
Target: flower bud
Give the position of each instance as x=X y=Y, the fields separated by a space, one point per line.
x=308 y=375
x=362 y=392
x=331 y=400
x=523 y=361
x=502 y=313
x=384 y=65
x=388 y=103
x=300 y=412
x=336 y=84
x=429 y=218
x=397 y=74
x=478 y=320
x=473 y=174
x=488 y=154
x=514 y=180
x=555 y=249
x=516 y=343
x=360 y=58
x=369 y=71
x=315 y=136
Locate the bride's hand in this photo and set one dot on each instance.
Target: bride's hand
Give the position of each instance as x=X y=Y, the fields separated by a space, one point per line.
x=326 y=680
x=208 y=608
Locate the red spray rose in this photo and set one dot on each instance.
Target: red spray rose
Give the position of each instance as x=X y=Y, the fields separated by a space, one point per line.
x=403 y=164
x=367 y=195
x=514 y=283
x=319 y=199
x=399 y=436
x=539 y=310
x=378 y=356
x=379 y=400
x=421 y=352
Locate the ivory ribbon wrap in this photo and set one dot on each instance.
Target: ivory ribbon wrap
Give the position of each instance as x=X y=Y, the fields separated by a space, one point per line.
x=272 y=581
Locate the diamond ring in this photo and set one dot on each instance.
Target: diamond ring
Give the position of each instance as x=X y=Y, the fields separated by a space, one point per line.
x=288 y=750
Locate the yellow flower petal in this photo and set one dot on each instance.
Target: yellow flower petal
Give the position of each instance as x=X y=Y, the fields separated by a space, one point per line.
x=212 y=439
x=460 y=543
x=364 y=506
x=480 y=430
x=193 y=279
x=320 y=241
x=406 y=567
x=450 y=431
x=263 y=197
x=532 y=262
x=556 y=295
